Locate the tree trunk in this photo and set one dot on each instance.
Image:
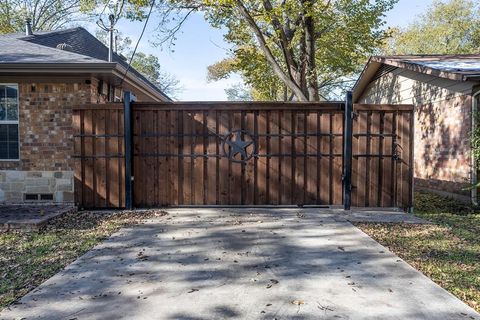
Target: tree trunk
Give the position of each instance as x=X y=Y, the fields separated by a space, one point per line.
x=311 y=67
x=277 y=69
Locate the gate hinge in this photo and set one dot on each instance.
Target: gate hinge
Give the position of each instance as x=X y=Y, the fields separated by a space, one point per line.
x=354 y=115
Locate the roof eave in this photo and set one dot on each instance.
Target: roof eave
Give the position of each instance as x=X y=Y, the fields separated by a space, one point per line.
x=68 y=68
x=140 y=84
x=419 y=68
x=375 y=62
x=363 y=80
x=57 y=67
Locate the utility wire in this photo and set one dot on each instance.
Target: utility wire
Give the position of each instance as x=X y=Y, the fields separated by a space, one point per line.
x=138 y=41
x=105 y=7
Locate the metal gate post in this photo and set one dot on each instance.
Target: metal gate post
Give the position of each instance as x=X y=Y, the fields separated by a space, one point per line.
x=127 y=134
x=347 y=152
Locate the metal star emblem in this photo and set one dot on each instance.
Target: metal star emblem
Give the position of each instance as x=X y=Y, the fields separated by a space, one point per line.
x=237 y=145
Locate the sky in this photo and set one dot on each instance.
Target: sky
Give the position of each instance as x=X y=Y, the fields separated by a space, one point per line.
x=199 y=45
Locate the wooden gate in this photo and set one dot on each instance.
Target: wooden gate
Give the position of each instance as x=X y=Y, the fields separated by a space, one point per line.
x=99 y=156
x=222 y=153
x=182 y=154
x=382 y=163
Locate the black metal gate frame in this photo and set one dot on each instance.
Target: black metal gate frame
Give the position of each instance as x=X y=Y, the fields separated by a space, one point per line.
x=128 y=100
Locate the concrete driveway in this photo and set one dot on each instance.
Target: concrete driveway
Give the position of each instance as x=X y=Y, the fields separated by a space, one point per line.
x=240 y=264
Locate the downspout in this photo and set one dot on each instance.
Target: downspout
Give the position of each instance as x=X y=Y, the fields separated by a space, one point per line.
x=473 y=162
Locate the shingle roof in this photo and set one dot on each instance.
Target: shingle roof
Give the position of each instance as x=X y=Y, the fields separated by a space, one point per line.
x=466 y=64
x=14 y=49
x=41 y=47
x=455 y=67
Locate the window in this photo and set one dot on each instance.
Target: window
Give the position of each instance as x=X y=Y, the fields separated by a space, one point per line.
x=9 y=138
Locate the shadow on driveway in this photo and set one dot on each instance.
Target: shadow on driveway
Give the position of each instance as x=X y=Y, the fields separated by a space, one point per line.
x=243 y=264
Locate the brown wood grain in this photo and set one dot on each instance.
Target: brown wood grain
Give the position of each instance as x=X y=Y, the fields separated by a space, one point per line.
x=178 y=156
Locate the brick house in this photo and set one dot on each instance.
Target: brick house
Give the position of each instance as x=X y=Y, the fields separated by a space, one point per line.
x=445 y=91
x=42 y=76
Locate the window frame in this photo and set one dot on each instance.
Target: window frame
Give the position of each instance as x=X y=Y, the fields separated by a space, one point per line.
x=17 y=122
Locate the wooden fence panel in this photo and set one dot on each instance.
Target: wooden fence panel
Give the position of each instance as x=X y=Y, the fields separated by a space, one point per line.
x=284 y=151
x=294 y=154
x=99 y=171
x=382 y=167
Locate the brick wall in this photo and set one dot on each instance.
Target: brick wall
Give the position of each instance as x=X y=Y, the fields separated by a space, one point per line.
x=442 y=153
x=46 y=139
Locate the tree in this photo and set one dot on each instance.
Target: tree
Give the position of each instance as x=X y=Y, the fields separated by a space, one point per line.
x=306 y=44
x=451 y=27
x=238 y=92
x=148 y=65
x=44 y=14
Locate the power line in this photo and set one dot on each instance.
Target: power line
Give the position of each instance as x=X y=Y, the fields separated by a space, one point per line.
x=105 y=7
x=138 y=41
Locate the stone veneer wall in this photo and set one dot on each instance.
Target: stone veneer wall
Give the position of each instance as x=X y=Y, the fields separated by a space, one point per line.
x=15 y=183
x=46 y=139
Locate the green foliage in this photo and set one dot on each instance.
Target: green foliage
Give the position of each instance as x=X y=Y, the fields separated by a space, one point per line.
x=451 y=27
x=287 y=48
x=239 y=92
x=149 y=66
x=45 y=14
x=146 y=64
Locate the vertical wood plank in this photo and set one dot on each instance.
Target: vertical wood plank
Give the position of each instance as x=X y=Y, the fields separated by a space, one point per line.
x=89 y=160
x=250 y=167
x=181 y=158
x=198 y=166
x=112 y=168
x=224 y=125
x=121 y=161
x=374 y=159
x=325 y=138
x=386 y=197
x=187 y=159
x=300 y=186
x=173 y=166
x=77 y=151
x=286 y=158
x=274 y=170
x=337 y=150
x=236 y=184
x=262 y=166
x=311 y=176
x=212 y=168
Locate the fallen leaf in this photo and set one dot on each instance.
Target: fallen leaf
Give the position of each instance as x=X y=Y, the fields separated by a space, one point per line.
x=192 y=290
x=298 y=302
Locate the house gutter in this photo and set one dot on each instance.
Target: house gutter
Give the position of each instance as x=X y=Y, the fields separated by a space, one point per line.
x=57 y=67
x=93 y=67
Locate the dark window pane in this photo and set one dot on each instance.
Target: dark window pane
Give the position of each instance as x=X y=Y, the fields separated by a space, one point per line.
x=13 y=132
x=11 y=92
x=12 y=111
x=3 y=111
x=2 y=92
x=3 y=132
x=3 y=150
x=13 y=150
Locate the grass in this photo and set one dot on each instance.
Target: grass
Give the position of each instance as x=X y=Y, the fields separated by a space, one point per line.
x=29 y=258
x=447 y=251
